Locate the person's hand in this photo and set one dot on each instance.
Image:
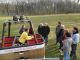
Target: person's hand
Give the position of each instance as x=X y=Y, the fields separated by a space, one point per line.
x=32 y=36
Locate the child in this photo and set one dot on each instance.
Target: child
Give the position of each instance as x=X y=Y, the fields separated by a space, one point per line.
x=24 y=37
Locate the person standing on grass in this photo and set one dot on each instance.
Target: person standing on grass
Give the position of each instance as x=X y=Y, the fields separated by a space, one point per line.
x=40 y=28
x=46 y=31
x=67 y=46
x=61 y=36
x=58 y=28
x=75 y=37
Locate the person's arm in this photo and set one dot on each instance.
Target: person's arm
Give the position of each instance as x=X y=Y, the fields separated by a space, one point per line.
x=27 y=37
x=63 y=47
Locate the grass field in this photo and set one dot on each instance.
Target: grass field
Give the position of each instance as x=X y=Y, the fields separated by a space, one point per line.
x=69 y=20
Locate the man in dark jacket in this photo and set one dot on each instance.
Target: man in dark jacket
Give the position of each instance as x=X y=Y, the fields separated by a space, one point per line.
x=58 y=32
x=61 y=37
x=44 y=30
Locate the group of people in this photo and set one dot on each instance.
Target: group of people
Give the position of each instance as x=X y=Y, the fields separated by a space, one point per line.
x=44 y=30
x=68 y=41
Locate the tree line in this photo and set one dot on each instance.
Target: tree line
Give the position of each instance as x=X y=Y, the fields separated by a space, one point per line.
x=39 y=8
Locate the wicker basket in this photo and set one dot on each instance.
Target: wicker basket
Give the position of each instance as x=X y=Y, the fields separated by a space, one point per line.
x=29 y=54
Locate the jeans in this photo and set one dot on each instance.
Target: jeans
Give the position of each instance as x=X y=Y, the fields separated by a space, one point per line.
x=61 y=44
x=66 y=55
x=73 y=52
x=46 y=39
x=57 y=40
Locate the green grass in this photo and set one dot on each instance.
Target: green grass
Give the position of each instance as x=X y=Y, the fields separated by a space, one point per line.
x=69 y=20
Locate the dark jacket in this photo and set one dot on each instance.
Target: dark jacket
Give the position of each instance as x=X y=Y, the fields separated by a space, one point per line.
x=61 y=35
x=43 y=30
x=58 y=29
x=40 y=29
